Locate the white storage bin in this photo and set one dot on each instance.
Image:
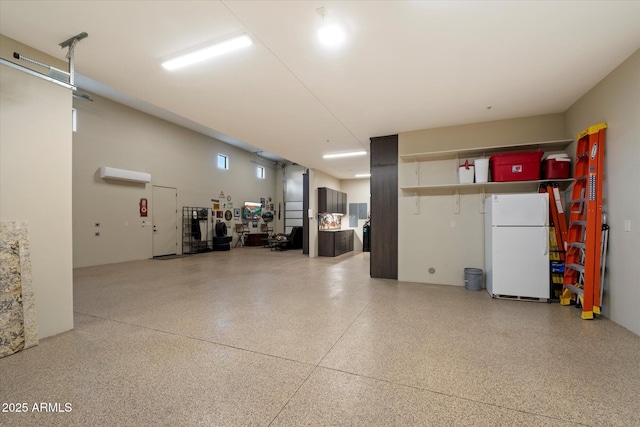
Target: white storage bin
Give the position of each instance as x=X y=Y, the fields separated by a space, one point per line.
x=482 y=170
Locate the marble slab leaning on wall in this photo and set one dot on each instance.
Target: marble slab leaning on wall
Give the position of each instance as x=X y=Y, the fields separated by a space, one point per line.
x=18 y=324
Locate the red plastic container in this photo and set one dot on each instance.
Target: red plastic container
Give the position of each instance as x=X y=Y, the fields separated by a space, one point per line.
x=516 y=166
x=557 y=168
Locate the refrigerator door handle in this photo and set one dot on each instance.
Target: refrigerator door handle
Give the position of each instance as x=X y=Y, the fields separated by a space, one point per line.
x=545 y=233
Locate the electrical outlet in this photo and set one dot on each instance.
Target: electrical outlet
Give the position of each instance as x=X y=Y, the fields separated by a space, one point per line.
x=97 y=234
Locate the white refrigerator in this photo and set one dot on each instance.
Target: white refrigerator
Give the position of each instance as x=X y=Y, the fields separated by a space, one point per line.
x=517 y=245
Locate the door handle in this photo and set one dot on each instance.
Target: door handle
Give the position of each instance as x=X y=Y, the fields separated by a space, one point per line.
x=546 y=240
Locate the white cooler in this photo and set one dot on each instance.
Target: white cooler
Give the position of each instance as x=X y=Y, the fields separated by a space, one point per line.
x=466 y=173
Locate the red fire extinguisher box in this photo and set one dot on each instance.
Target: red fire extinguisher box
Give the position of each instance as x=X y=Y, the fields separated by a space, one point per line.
x=516 y=166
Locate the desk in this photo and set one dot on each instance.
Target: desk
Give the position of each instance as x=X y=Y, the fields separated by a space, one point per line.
x=278 y=245
x=255 y=239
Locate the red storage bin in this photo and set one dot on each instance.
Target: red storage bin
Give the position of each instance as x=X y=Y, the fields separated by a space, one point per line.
x=557 y=167
x=516 y=166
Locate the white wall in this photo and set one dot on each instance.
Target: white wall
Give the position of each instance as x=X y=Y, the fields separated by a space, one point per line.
x=35 y=181
x=358 y=191
x=434 y=235
x=616 y=101
x=110 y=134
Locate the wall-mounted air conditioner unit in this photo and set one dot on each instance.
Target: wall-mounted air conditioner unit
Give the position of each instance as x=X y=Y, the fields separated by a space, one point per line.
x=124 y=175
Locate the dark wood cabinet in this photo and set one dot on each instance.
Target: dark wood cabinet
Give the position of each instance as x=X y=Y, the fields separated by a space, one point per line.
x=335 y=243
x=256 y=239
x=322 y=199
x=331 y=201
x=334 y=201
x=326 y=243
x=384 y=207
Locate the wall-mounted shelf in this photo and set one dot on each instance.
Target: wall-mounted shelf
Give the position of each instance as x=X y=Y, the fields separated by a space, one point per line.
x=486 y=187
x=558 y=145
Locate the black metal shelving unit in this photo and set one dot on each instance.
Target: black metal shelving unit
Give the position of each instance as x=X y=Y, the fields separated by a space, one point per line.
x=197 y=233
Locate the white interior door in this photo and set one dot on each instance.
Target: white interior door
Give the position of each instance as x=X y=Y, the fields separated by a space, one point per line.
x=165 y=221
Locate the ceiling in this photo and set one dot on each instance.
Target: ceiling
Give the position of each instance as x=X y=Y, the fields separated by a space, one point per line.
x=406 y=65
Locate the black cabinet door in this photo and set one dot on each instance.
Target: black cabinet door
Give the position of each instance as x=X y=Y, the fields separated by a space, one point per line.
x=335 y=243
x=384 y=207
x=326 y=243
x=344 y=203
x=334 y=201
x=345 y=237
x=331 y=201
x=322 y=199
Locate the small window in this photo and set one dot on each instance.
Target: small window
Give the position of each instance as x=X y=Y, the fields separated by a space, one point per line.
x=223 y=161
x=260 y=172
x=74 y=119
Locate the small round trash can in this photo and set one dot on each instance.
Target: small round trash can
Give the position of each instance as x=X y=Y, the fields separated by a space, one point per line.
x=473 y=279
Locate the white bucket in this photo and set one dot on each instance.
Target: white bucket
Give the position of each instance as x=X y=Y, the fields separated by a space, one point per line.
x=465 y=173
x=482 y=170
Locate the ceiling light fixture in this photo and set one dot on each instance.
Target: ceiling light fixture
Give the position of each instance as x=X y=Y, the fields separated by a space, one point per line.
x=207 y=52
x=363 y=175
x=349 y=154
x=330 y=34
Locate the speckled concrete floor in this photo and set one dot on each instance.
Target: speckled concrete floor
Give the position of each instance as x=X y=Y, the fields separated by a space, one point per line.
x=255 y=337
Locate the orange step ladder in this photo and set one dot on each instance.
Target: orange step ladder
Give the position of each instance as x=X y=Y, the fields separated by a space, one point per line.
x=557 y=237
x=582 y=274
x=556 y=215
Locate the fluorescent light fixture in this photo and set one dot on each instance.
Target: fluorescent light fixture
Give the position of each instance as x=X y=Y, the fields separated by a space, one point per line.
x=331 y=35
x=363 y=175
x=208 y=52
x=349 y=154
